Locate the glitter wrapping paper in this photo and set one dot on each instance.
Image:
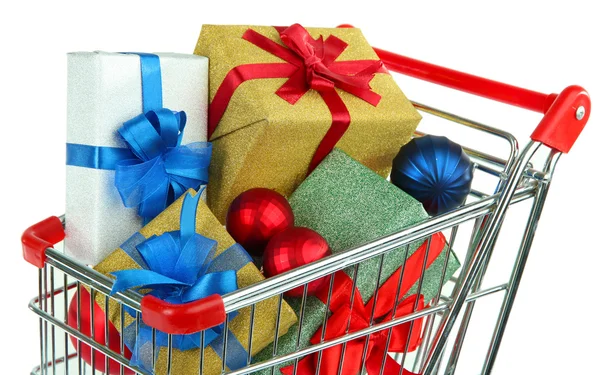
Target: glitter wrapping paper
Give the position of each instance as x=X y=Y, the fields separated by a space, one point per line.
x=104 y=91
x=187 y=362
x=350 y=205
x=263 y=141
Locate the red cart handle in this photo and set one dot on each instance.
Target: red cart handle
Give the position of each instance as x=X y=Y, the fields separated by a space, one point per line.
x=183 y=319
x=565 y=114
x=38 y=237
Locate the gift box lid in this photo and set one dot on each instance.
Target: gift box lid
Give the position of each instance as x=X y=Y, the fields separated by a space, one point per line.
x=226 y=49
x=105 y=91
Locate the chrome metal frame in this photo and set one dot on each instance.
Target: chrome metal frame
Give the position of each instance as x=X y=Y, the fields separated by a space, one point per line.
x=518 y=181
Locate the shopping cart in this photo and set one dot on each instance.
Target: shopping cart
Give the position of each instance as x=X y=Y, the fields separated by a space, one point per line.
x=515 y=180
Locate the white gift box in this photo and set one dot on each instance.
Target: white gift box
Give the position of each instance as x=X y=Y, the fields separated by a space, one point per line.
x=104 y=91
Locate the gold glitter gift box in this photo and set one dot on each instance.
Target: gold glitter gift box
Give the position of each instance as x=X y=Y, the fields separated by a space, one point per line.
x=187 y=362
x=262 y=140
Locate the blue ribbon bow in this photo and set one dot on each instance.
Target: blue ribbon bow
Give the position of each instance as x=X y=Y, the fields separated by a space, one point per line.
x=180 y=267
x=163 y=169
x=156 y=169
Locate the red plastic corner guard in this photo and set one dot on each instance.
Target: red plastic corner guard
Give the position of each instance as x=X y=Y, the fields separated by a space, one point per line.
x=185 y=318
x=564 y=120
x=38 y=237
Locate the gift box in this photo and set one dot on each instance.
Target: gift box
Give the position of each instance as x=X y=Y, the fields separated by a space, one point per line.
x=281 y=98
x=350 y=205
x=107 y=92
x=186 y=360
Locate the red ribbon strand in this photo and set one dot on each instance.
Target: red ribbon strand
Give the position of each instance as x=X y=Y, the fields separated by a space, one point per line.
x=352 y=317
x=309 y=64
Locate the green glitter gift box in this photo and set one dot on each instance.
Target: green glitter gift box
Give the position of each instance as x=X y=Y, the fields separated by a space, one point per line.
x=350 y=205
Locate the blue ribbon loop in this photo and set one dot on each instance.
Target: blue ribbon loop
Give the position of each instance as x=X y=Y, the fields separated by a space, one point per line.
x=155 y=169
x=163 y=169
x=180 y=267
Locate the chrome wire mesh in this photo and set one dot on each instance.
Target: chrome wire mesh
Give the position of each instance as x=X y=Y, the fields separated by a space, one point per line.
x=62 y=278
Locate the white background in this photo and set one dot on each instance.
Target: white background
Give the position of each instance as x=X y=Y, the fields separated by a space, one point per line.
x=543 y=46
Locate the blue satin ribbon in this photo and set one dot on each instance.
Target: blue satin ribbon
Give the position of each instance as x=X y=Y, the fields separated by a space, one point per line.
x=151 y=81
x=96 y=157
x=180 y=267
x=155 y=169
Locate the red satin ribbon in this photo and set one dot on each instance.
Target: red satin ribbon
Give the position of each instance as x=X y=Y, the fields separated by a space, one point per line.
x=358 y=317
x=310 y=64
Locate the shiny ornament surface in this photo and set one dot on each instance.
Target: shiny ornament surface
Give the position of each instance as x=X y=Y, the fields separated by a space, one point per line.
x=114 y=338
x=292 y=248
x=435 y=171
x=255 y=216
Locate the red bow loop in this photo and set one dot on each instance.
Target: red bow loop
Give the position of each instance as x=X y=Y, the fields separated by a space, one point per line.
x=347 y=320
x=297 y=39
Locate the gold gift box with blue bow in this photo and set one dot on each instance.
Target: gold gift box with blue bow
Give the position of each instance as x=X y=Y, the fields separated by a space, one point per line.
x=208 y=228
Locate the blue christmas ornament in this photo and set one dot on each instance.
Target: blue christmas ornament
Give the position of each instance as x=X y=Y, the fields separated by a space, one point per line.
x=435 y=171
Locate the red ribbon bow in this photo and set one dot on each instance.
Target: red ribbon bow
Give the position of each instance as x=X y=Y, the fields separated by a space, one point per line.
x=358 y=317
x=317 y=68
x=310 y=64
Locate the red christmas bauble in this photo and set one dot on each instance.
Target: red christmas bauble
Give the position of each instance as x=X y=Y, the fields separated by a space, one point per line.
x=114 y=338
x=292 y=248
x=255 y=216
